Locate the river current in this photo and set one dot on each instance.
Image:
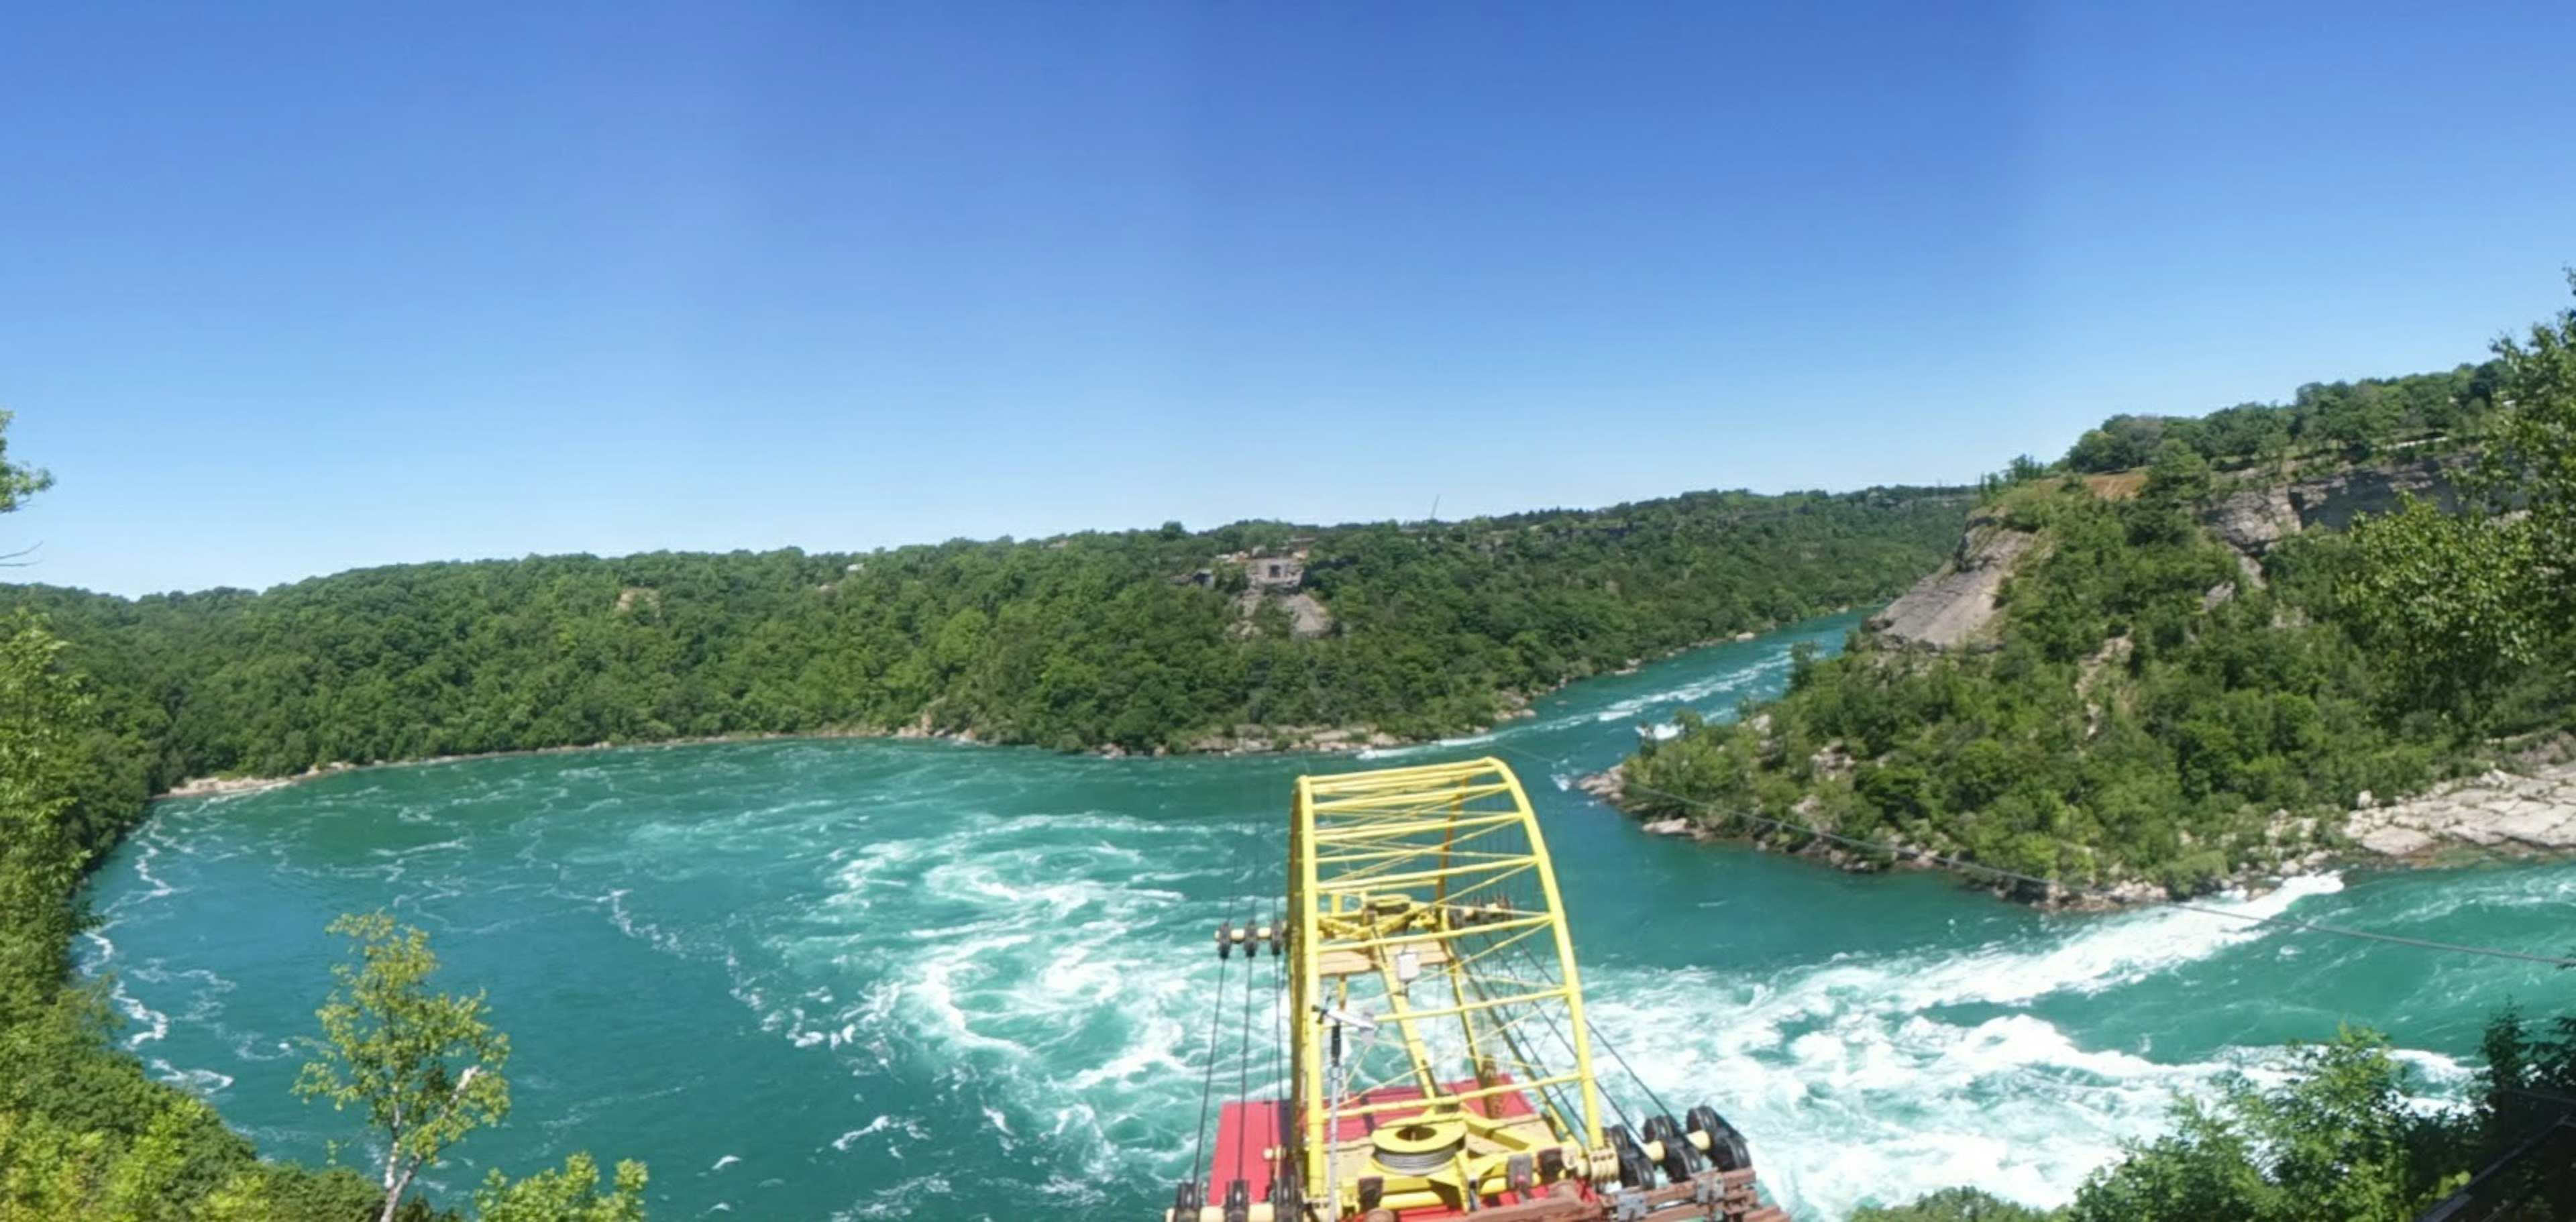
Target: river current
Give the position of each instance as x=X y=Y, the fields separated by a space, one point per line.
x=882 y=979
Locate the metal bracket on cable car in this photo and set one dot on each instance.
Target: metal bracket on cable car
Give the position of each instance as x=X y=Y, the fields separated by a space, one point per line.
x=1708 y=1188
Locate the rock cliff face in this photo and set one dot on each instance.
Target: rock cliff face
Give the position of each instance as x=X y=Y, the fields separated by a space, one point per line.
x=1954 y=606
x=2254 y=518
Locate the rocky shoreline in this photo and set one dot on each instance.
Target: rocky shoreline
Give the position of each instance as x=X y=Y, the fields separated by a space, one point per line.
x=2528 y=814
x=1246 y=740
x=216 y=786
x=2504 y=812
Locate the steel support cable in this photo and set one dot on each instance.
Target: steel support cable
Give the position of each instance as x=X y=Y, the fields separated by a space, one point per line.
x=1539 y=970
x=2544 y=1096
x=1998 y=872
x=1199 y=1166
x=1207 y=1086
x=1282 y=1071
x=1507 y=1029
x=1558 y=1029
x=1594 y=1030
x=1243 y=1072
x=1512 y=897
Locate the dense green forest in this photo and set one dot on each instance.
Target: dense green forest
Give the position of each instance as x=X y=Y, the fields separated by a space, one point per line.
x=1142 y=640
x=2354 y=421
x=85 y=1132
x=2152 y=708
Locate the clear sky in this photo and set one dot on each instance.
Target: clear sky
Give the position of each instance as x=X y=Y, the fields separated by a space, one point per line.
x=291 y=289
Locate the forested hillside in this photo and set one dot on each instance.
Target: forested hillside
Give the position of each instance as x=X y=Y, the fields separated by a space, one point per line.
x=2156 y=702
x=1141 y=640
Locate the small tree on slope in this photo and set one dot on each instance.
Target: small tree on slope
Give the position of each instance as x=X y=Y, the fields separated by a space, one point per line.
x=424 y=1064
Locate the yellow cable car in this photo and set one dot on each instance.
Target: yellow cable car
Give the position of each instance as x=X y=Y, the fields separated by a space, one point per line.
x=1440 y=1063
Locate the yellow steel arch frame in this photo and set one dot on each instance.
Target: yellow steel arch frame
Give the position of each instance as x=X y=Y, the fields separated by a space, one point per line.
x=1421 y=880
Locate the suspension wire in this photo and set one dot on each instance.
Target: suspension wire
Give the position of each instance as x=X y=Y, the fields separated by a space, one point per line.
x=1518 y=893
x=1974 y=867
x=1521 y=894
x=1207 y=1086
x=1633 y=1076
x=1280 y=1068
x=2545 y=1096
x=1243 y=1059
x=1552 y=1096
x=1535 y=966
x=1558 y=1030
x=1201 y=1169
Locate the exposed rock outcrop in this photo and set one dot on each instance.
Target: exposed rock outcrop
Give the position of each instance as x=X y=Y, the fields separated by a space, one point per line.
x=1258 y=740
x=2533 y=812
x=1609 y=785
x=2333 y=501
x=2253 y=518
x=1307 y=618
x=1954 y=605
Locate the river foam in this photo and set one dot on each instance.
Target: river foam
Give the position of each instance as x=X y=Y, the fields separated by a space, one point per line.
x=1877 y=1080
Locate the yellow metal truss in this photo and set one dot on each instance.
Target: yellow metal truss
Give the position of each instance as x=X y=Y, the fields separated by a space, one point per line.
x=1426 y=915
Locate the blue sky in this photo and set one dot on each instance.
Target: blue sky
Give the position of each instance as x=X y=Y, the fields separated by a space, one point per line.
x=291 y=289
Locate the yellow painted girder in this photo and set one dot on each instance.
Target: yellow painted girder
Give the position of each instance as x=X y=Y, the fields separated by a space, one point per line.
x=1350 y=837
x=1374 y=882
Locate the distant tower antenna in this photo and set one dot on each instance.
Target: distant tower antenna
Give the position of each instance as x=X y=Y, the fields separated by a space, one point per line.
x=1435 y=506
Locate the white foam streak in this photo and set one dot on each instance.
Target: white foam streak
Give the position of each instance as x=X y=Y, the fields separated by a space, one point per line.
x=1859 y=1088
x=1444 y=744
x=1694 y=692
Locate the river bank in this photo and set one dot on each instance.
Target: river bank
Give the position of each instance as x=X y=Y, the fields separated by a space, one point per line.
x=1283 y=740
x=1236 y=741
x=2529 y=813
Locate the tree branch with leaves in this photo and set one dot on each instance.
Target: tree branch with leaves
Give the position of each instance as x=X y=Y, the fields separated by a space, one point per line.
x=424 y=1064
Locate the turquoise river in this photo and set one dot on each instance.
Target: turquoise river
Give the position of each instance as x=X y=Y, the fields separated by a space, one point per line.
x=881 y=979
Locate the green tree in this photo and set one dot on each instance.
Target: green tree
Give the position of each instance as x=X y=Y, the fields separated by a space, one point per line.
x=1953 y=1205
x=425 y=1065
x=2444 y=602
x=571 y=1194
x=41 y=851
x=2457 y=604
x=2179 y=473
x=2532 y=461
x=17 y=480
x=2334 y=1142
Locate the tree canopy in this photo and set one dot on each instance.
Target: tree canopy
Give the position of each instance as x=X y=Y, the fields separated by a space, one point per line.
x=2368 y=418
x=1142 y=640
